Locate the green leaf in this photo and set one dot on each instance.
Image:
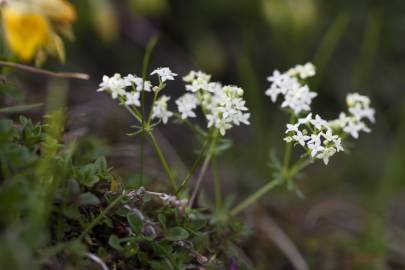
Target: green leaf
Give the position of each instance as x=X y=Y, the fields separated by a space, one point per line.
x=156 y=265
x=162 y=220
x=135 y=222
x=78 y=248
x=114 y=242
x=86 y=175
x=101 y=166
x=88 y=199
x=197 y=224
x=177 y=234
x=71 y=211
x=7 y=130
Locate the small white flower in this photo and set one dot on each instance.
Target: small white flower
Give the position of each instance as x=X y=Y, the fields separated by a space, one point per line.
x=132 y=98
x=164 y=73
x=326 y=154
x=291 y=127
x=359 y=110
x=288 y=139
x=197 y=85
x=186 y=104
x=296 y=96
x=116 y=84
x=277 y=78
x=138 y=83
x=303 y=71
x=160 y=110
x=273 y=93
x=315 y=149
x=354 y=127
x=299 y=99
x=338 y=145
x=307 y=119
x=318 y=122
x=353 y=98
x=316 y=136
x=301 y=138
x=328 y=136
x=223 y=106
x=196 y=75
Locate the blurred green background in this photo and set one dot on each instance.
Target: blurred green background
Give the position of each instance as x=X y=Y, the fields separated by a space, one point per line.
x=352 y=216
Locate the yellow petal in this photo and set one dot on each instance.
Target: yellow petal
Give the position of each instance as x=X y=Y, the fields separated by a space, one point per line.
x=25 y=31
x=58 y=10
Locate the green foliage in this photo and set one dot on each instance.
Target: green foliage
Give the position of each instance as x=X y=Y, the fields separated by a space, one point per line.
x=124 y=228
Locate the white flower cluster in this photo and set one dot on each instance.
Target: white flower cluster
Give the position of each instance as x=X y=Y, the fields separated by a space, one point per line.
x=353 y=122
x=118 y=85
x=297 y=96
x=320 y=138
x=186 y=105
x=223 y=106
x=316 y=136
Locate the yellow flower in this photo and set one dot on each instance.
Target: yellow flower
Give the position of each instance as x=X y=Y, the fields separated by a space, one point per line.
x=31 y=27
x=25 y=31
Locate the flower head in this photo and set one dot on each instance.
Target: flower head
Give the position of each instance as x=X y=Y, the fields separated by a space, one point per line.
x=353 y=122
x=160 y=109
x=164 y=73
x=297 y=96
x=115 y=84
x=315 y=136
x=186 y=105
x=303 y=71
x=223 y=106
x=132 y=98
x=138 y=83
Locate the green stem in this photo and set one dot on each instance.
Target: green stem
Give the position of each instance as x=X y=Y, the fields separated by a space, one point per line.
x=287 y=158
x=204 y=168
x=298 y=166
x=95 y=221
x=155 y=94
x=217 y=184
x=148 y=52
x=286 y=174
x=190 y=173
x=287 y=154
x=254 y=197
x=132 y=110
x=163 y=161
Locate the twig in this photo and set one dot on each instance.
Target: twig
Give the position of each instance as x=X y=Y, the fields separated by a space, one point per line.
x=71 y=75
x=97 y=260
x=20 y=108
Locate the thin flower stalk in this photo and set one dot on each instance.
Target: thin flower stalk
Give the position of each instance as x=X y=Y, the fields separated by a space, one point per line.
x=204 y=168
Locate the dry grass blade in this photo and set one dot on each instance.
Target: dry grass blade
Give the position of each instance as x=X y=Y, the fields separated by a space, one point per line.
x=280 y=238
x=68 y=75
